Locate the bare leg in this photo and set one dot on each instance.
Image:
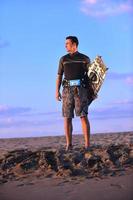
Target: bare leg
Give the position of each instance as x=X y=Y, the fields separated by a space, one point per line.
x=68 y=130
x=86 y=130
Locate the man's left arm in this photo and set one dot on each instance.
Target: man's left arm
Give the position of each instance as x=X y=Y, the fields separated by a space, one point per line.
x=88 y=62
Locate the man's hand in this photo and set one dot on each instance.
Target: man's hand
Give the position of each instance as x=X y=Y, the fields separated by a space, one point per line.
x=58 y=96
x=58 y=84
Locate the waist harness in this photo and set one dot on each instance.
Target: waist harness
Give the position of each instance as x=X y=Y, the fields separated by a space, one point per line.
x=73 y=83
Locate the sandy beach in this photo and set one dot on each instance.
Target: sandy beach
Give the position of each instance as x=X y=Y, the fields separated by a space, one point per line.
x=41 y=168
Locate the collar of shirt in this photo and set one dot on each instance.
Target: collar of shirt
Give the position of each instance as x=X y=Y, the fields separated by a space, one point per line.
x=73 y=54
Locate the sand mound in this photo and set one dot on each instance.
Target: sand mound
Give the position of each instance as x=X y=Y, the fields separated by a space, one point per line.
x=99 y=161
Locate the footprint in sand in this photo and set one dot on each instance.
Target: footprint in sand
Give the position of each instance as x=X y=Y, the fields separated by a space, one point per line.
x=117 y=185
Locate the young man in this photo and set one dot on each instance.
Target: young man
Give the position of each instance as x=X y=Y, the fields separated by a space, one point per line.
x=73 y=66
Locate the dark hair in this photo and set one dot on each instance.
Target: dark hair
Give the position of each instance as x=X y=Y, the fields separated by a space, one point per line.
x=74 y=39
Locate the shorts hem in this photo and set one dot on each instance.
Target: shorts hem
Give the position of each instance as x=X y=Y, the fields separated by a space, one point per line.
x=68 y=116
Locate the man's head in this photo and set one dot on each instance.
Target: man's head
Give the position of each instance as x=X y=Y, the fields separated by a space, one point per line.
x=71 y=44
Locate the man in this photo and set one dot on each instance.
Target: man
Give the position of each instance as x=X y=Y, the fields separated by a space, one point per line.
x=75 y=92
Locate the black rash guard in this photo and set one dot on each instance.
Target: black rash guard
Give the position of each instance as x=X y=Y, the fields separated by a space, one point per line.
x=73 y=66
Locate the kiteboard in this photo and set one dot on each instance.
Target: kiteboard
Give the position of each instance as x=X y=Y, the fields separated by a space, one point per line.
x=96 y=73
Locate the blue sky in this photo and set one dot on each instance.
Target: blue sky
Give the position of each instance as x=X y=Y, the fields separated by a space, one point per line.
x=32 y=36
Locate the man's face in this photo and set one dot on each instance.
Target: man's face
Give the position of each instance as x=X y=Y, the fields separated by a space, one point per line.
x=69 y=45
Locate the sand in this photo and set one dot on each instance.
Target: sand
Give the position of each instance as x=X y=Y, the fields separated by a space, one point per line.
x=41 y=168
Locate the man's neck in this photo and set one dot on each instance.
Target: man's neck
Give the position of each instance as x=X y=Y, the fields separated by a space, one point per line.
x=74 y=51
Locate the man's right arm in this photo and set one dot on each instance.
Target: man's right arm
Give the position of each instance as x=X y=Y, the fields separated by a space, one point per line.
x=59 y=79
x=58 y=85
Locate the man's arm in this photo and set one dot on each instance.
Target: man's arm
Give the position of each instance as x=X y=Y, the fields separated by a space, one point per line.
x=58 y=85
x=88 y=62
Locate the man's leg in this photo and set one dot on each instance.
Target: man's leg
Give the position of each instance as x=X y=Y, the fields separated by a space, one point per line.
x=68 y=130
x=86 y=130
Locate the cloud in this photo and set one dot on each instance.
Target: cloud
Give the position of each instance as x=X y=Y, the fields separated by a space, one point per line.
x=123 y=102
x=129 y=80
x=21 y=117
x=117 y=109
x=20 y=123
x=127 y=77
x=25 y=121
x=6 y=110
x=90 y=1
x=115 y=75
x=103 y=8
x=3 y=43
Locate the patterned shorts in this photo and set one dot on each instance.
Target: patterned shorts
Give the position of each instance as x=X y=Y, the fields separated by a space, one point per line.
x=74 y=99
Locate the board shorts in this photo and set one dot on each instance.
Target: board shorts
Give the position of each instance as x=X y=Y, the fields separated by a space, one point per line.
x=74 y=99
